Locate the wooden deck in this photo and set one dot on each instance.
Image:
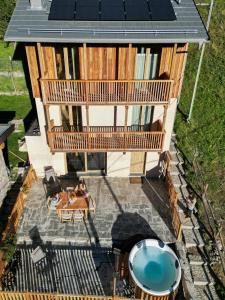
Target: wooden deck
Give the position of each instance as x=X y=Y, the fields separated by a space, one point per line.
x=103 y=139
x=103 y=92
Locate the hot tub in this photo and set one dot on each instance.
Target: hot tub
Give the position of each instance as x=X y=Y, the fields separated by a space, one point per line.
x=154 y=267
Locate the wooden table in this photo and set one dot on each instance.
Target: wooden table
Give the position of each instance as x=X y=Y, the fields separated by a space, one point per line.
x=81 y=203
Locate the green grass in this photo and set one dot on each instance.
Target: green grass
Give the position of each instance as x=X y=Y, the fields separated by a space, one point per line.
x=7 y=51
x=8 y=84
x=206 y=131
x=13 y=147
x=20 y=104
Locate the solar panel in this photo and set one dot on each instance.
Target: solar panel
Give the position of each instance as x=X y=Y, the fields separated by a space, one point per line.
x=112 y=10
x=137 y=10
x=162 y=10
x=62 y=10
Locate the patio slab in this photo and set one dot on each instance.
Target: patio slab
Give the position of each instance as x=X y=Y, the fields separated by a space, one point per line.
x=123 y=210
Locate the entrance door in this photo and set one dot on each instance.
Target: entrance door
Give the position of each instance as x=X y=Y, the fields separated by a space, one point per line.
x=137 y=163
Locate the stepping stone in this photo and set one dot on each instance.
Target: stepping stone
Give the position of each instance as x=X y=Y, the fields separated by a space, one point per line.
x=176 y=170
x=176 y=159
x=179 y=181
x=196 y=256
x=188 y=223
x=182 y=192
x=201 y=275
x=173 y=148
x=192 y=238
x=206 y=292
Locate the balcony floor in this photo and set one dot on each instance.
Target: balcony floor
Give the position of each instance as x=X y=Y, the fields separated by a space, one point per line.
x=123 y=210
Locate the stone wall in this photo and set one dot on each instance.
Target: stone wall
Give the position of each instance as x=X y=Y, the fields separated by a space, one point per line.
x=4 y=178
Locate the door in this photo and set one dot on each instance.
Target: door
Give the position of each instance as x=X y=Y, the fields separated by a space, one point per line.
x=137 y=163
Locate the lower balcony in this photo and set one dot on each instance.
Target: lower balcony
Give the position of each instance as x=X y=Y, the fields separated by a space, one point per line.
x=104 y=138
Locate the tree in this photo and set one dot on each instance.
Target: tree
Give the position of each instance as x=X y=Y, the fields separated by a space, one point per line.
x=6 y=9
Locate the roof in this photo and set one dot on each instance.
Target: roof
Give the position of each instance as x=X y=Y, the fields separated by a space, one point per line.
x=28 y=25
x=5 y=131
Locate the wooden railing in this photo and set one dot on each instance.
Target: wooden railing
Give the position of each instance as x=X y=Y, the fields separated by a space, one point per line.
x=104 y=140
x=51 y=296
x=85 y=92
x=16 y=213
x=173 y=198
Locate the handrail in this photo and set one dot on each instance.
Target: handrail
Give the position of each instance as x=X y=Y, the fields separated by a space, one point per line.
x=105 y=141
x=89 y=92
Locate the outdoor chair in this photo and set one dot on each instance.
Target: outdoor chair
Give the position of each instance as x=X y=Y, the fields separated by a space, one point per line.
x=50 y=174
x=66 y=215
x=37 y=255
x=78 y=215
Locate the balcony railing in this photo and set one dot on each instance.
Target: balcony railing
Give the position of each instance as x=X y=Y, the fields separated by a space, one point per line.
x=103 y=139
x=96 y=92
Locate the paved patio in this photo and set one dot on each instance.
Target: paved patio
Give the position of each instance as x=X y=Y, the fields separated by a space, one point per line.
x=123 y=210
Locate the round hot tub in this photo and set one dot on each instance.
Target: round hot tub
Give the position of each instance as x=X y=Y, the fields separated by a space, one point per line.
x=154 y=267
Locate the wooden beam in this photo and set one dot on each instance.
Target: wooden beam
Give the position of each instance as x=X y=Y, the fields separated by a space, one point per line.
x=67 y=74
x=33 y=69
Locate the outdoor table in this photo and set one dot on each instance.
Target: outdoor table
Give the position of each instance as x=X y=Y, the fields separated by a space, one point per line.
x=80 y=203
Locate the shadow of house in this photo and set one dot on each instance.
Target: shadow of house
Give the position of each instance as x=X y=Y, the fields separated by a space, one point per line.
x=130 y=228
x=159 y=200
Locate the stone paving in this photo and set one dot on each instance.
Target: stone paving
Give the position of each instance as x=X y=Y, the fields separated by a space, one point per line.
x=123 y=210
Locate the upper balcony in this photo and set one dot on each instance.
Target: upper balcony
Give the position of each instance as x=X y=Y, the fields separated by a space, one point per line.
x=106 y=92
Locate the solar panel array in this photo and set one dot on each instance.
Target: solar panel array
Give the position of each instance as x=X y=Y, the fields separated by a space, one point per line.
x=112 y=10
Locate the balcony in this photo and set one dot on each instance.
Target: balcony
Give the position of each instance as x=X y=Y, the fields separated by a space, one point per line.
x=105 y=138
x=102 y=92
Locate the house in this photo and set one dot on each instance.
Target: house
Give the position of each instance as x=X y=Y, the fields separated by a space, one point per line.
x=5 y=131
x=106 y=77
x=106 y=81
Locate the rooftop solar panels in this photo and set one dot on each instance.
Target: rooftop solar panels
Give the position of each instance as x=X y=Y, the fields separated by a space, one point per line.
x=112 y=10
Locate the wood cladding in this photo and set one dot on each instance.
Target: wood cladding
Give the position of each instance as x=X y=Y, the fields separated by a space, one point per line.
x=104 y=63
x=97 y=63
x=33 y=69
x=172 y=65
x=47 y=60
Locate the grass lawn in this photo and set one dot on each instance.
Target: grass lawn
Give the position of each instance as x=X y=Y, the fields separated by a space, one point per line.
x=7 y=84
x=206 y=131
x=21 y=105
x=6 y=51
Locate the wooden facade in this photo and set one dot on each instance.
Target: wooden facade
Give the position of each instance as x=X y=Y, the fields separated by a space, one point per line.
x=85 y=74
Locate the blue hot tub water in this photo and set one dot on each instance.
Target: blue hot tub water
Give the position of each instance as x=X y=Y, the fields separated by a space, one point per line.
x=154 y=268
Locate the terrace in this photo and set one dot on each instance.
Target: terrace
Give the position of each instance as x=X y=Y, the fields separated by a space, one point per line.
x=79 y=257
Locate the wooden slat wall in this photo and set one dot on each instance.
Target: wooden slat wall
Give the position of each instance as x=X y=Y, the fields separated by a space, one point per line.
x=47 y=61
x=33 y=69
x=126 y=62
x=100 y=63
x=172 y=65
x=178 y=71
x=166 y=62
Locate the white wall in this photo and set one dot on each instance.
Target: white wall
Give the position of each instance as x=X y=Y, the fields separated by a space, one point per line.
x=4 y=178
x=170 y=118
x=38 y=149
x=152 y=164
x=118 y=164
